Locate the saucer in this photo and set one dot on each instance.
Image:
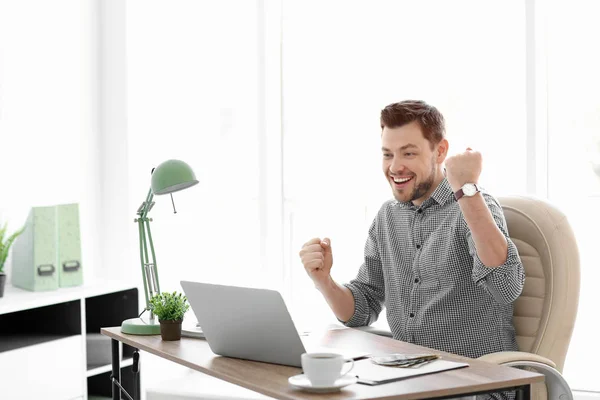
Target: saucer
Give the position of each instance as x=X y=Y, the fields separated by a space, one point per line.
x=302 y=382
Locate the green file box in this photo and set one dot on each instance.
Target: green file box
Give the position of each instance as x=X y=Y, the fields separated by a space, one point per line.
x=70 y=272
x=34 y=252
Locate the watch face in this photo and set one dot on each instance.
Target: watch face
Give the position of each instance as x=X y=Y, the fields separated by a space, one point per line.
x=469 y=189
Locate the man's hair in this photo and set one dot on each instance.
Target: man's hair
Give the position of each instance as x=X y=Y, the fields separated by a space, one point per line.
x=428 y=117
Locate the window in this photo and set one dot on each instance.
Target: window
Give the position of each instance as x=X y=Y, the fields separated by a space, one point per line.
x=48 y=152
x=195 y=89
x=192 y=95
x=340 y=73
x=573 y=155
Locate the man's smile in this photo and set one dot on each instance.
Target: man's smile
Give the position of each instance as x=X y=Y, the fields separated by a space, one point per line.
x=400 y=182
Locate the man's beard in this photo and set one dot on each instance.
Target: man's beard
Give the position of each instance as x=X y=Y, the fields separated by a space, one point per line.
x=422 y=188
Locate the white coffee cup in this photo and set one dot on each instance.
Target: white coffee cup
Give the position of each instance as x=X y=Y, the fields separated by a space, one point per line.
x=323 y=369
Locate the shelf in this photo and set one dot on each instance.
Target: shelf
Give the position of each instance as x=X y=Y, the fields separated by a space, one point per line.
x=42 y=324
x=16 y=299
x=108 y=367
x=14 y=341
x=52 y=327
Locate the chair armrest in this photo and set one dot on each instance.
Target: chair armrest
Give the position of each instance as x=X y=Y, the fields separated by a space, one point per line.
x=504 y=357
x=557 y=386
x=376 y=331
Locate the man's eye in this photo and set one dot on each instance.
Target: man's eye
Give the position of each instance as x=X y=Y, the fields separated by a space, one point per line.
x=386 y=155
x=409 y=154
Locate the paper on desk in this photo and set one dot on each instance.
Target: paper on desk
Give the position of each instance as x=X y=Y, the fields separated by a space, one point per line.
x=369 y=373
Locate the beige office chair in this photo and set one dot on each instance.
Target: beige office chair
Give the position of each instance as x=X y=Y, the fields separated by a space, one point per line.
x=544 y=314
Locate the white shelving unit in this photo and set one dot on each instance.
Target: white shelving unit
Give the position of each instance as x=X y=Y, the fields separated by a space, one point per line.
x=43 y=339
x=16 y=299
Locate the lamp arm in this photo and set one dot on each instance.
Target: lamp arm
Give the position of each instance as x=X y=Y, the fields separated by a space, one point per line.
x=149 y=271
x=147 y=204
x=142 y=239
x=153 y=258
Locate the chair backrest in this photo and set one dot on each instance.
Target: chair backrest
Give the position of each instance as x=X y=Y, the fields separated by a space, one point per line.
x=544 y=314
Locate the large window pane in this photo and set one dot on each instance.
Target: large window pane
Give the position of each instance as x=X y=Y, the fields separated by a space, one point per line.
x=343 y=62
x=47 y=140
x=574 y=160
x=192 y=95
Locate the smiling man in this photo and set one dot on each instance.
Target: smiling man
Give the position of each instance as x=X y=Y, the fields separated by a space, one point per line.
x=438 y=256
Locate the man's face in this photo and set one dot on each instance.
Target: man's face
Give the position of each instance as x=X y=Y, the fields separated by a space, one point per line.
x=409 y=164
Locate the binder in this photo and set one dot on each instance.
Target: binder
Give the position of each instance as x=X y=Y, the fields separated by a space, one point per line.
x=34 y=252
x=47 y=255
x=70 y=272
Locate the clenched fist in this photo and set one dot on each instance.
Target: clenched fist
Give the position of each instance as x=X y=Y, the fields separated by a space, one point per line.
x=317 y=260
x=463 y=168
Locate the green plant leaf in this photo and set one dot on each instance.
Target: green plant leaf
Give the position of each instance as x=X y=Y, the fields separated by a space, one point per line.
x=5 y=246
x=169 y=306
x=2 y=232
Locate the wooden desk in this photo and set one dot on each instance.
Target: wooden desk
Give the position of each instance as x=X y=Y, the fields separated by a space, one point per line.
x=272 y=379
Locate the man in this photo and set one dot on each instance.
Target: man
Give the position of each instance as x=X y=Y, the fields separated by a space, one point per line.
x=438 y=256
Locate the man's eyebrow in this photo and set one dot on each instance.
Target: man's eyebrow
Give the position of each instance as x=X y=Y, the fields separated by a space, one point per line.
x=406 y=146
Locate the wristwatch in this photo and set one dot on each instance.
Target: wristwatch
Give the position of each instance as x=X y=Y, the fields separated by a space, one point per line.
x=468 y=189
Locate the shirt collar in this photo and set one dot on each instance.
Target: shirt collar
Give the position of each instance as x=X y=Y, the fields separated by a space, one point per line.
x=441 y=195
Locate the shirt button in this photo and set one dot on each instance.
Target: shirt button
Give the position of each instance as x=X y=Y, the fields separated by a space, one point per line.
x=419 y=211
x=411 y=315
x=416 y=280
x=418 y=246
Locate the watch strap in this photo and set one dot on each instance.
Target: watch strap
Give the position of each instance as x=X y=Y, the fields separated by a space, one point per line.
x=459 y=194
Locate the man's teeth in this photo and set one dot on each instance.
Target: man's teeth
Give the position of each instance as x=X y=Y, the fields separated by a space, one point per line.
x=401 y=180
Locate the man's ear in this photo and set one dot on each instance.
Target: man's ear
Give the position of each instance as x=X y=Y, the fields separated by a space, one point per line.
x=442 y=151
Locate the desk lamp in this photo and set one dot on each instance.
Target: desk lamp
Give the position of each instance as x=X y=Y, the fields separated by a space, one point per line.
x=170 y=176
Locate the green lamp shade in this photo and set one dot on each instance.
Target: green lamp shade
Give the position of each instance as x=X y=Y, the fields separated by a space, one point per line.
x=172 y=176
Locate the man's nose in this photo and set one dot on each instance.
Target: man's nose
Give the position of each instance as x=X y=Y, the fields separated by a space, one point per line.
x=397 y=167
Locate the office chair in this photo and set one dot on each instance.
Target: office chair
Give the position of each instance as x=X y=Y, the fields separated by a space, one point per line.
x=544 y=314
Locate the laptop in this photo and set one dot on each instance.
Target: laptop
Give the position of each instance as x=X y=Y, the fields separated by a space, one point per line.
x=252 y=324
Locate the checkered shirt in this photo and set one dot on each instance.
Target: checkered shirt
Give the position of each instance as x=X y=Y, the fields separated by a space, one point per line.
x=422 y=265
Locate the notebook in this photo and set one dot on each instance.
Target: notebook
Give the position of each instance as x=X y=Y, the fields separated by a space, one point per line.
x=372 y=374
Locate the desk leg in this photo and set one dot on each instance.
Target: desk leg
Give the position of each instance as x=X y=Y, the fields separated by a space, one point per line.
x=136 y=375
x=524 y=392
x=116 y=371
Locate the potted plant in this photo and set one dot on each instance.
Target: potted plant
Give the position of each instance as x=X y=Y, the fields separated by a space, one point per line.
x=170 y=309
x=4 y=248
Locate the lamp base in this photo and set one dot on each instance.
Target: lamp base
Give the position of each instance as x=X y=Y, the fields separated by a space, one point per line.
x=141 y=326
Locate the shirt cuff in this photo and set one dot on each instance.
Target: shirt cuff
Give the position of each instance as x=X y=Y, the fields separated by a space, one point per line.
x=504 y=282
x=361 y=310
x=480 y=271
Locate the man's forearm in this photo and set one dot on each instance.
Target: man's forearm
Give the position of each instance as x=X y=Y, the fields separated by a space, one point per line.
x=339 y=298
x=490 y=242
